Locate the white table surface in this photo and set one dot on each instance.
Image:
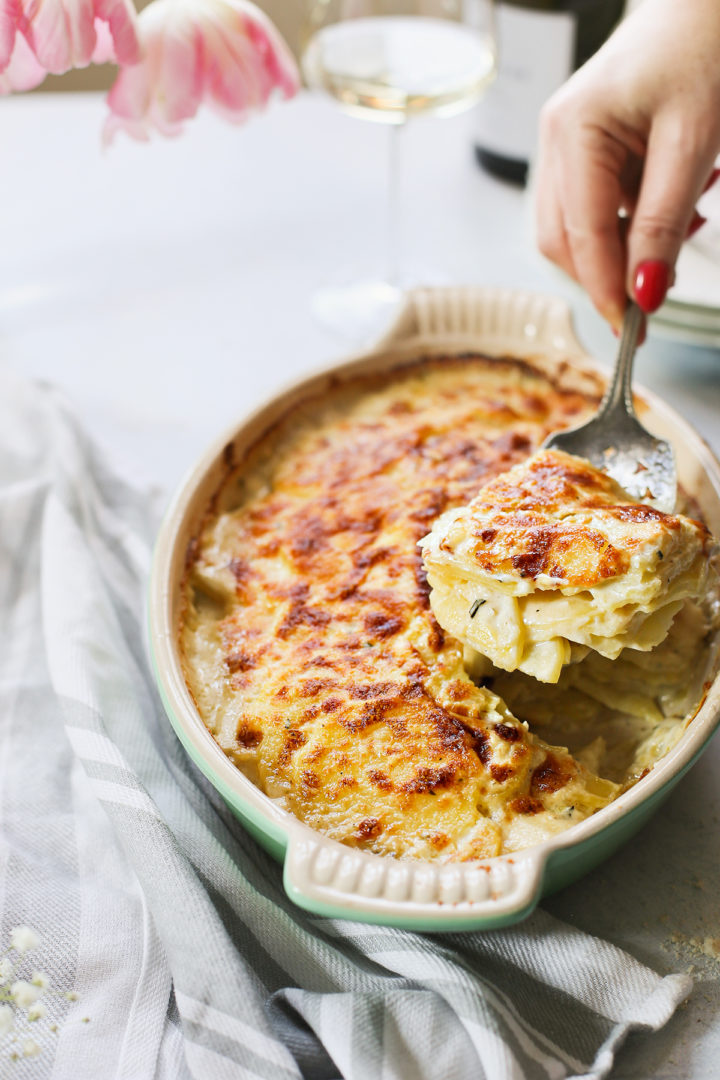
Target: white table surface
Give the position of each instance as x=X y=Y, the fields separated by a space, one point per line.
x=167 y=287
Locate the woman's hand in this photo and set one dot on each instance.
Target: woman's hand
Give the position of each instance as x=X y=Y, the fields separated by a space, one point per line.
x=627 y=145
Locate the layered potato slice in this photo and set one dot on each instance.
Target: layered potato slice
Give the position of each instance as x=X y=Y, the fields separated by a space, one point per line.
x=552 y=559
x=618 y=717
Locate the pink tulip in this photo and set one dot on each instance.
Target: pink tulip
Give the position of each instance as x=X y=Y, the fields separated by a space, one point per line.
x=64 y=34
x=226 y=53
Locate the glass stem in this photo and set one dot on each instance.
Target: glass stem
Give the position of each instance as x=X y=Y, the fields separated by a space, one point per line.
x=393 y=205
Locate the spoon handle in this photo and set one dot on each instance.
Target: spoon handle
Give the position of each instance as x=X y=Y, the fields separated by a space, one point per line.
x=619 y=392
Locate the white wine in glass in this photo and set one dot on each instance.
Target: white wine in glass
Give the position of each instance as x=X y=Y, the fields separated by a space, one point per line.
x=390 y=60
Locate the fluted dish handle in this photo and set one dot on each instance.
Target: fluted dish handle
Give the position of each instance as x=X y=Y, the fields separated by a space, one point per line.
x=323 y=876
x=526 y=322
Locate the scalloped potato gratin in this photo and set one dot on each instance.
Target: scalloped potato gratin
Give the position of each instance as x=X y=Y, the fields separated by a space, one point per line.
x=319 y=665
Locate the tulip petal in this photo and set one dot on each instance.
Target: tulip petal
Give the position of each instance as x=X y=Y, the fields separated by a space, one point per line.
x=8 y=28
x=132 y=98
x=230 y=78
x=61 y=36
x=104 y=51
x=277 y=59
x=80 y=20
x=23 y=72
x=178 y=86
x=129 y=97
x=122 y=22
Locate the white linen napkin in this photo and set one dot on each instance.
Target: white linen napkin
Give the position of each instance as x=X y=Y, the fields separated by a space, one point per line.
x=155 y=906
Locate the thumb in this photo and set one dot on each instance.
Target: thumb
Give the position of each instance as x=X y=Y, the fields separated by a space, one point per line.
x=675 y=169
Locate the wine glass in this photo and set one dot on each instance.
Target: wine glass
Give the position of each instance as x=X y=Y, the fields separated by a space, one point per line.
x=389 y=61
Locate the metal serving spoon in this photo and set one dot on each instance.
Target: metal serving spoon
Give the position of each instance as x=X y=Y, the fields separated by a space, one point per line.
x=616 y=441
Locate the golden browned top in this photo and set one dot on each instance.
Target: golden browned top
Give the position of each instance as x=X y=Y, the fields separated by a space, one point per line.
x=318 y=664
x=557 y=515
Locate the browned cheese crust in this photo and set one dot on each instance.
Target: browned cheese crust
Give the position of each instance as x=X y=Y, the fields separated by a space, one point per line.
x=538 y=520
x=329 y=679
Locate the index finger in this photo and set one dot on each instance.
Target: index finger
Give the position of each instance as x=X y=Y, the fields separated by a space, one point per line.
x=592 y=198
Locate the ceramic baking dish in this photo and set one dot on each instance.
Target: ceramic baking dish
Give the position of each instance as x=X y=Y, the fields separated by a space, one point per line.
x=321 y=874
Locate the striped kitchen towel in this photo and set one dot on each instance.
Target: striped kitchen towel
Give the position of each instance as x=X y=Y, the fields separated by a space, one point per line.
x=159 y=912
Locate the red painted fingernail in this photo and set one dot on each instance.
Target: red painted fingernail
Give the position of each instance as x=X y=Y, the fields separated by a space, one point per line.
x=711 y=180
x=697 y=222
x=652 y=279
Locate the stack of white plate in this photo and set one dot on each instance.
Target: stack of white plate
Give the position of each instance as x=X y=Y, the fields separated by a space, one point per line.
x=692 y=310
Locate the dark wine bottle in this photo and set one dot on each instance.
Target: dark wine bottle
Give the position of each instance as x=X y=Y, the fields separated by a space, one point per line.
x=540 y=43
